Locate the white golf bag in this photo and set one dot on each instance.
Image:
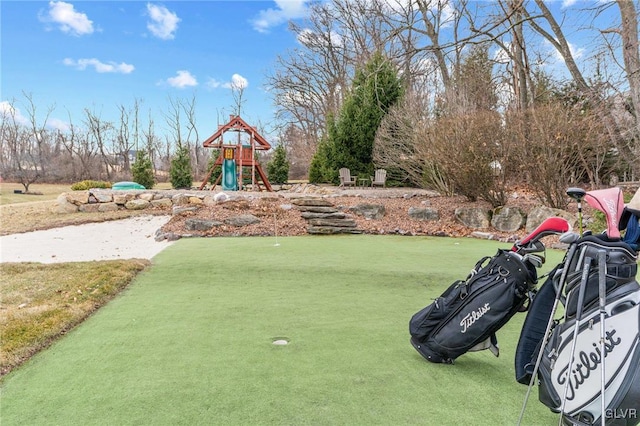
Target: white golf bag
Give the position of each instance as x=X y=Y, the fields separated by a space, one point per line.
x=593 y=350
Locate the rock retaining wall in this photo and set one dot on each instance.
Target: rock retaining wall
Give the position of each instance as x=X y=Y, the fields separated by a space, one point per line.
x=313 y=202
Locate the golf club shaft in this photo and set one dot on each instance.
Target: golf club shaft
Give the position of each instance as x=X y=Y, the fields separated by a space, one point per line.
x=602 y=288
x=581 y=290
x=545 y=337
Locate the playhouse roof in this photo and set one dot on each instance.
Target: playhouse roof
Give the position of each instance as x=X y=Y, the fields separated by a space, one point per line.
x=236 y=124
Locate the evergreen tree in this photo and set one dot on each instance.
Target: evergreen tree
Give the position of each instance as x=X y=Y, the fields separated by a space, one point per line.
x=180 y=171
x=278 y=167
x=142 y=170
x=376 y=88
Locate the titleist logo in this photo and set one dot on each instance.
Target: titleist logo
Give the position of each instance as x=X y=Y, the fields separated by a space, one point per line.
x=473 y=316
x=588 y=362
x=613 y=209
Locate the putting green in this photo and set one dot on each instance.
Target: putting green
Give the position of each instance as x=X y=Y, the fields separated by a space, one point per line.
x=191 y=342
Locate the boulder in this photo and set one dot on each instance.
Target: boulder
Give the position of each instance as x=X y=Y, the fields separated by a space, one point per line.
x=137 y=204
x=89 y=208
x=102 y=196
x=423 y=213
x=183 y=209
x=63 y=205
x=507 y=219
x=107 y=207
x=201 y=224
x=242 y=220
x=123 y=198
x=162 y=202
x=473 y=217
x=78 y=197
x=180 y=200
x=537 y=215
x=369 y=211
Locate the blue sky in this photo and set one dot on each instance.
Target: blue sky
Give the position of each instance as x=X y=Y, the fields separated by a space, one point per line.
x=104 y=54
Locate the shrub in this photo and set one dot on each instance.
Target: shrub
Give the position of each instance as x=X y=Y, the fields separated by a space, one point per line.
x=142 y=170
x=89 y=184
x=180 y=172
x=278 y=167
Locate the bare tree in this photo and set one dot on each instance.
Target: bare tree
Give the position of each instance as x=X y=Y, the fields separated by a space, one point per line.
x=21 y=160
x=94 y=142
x=26 y=142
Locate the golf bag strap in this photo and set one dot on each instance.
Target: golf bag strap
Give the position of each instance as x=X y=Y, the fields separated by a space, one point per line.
x=533 y=328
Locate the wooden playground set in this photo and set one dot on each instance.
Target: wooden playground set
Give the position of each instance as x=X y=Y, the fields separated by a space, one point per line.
x=237 y=156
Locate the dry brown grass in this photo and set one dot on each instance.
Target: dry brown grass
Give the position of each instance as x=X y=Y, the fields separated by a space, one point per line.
x=34 y=211
x=42 y=302
x=38 y=215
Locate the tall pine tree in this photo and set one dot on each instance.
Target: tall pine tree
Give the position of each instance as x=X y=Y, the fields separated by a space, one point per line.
x=376 y=88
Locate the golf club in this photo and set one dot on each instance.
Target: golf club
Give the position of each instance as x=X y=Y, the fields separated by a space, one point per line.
x=577 y=194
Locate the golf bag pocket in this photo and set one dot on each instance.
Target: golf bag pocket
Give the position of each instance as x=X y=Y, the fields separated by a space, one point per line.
x=621 y=268
x=468 y=314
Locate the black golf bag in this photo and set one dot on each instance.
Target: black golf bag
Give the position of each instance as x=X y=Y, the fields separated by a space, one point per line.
x=467 y=315
x=594 y=348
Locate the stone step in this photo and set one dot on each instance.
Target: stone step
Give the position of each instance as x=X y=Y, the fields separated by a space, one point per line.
x=341 y=223
x=329 y=230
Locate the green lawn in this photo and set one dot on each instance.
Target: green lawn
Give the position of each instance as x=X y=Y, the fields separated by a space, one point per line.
x=190 y=342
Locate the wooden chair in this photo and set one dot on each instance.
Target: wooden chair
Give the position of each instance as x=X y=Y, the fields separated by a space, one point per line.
x=345 y=177
x=380 y=178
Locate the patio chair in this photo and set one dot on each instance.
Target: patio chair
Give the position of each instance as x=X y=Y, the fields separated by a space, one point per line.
x=380 y=179
x=345 y=177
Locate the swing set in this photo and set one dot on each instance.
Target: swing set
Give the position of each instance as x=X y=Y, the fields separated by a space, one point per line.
x=236 y=156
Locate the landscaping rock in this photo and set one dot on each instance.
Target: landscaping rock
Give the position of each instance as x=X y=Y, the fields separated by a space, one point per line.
x=107 y=207
x=538 y=215
x=507 y=219
x=312 y=201
x=338 y=223
x=78 y=197
x=63 y=205
x=242 y=220
x=473 y=217
x=175 y=210
x=137 y=204
x=102 y=196
x=369 y=211
x=122 y=198
x=425 y=213
x=201 y=224
x=162 y=202
x=89 y=208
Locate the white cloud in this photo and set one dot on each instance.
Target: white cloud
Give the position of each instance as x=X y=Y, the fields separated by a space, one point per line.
x=576 y=52
x=237 y=82
x=57 y=124
x=8 y=111
x=99 y=66
x=568 y=3
x=310 y=39
x=285 y=11
x=213 y=83
x=164 y=23
x=182 y=79
x=68 y=19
